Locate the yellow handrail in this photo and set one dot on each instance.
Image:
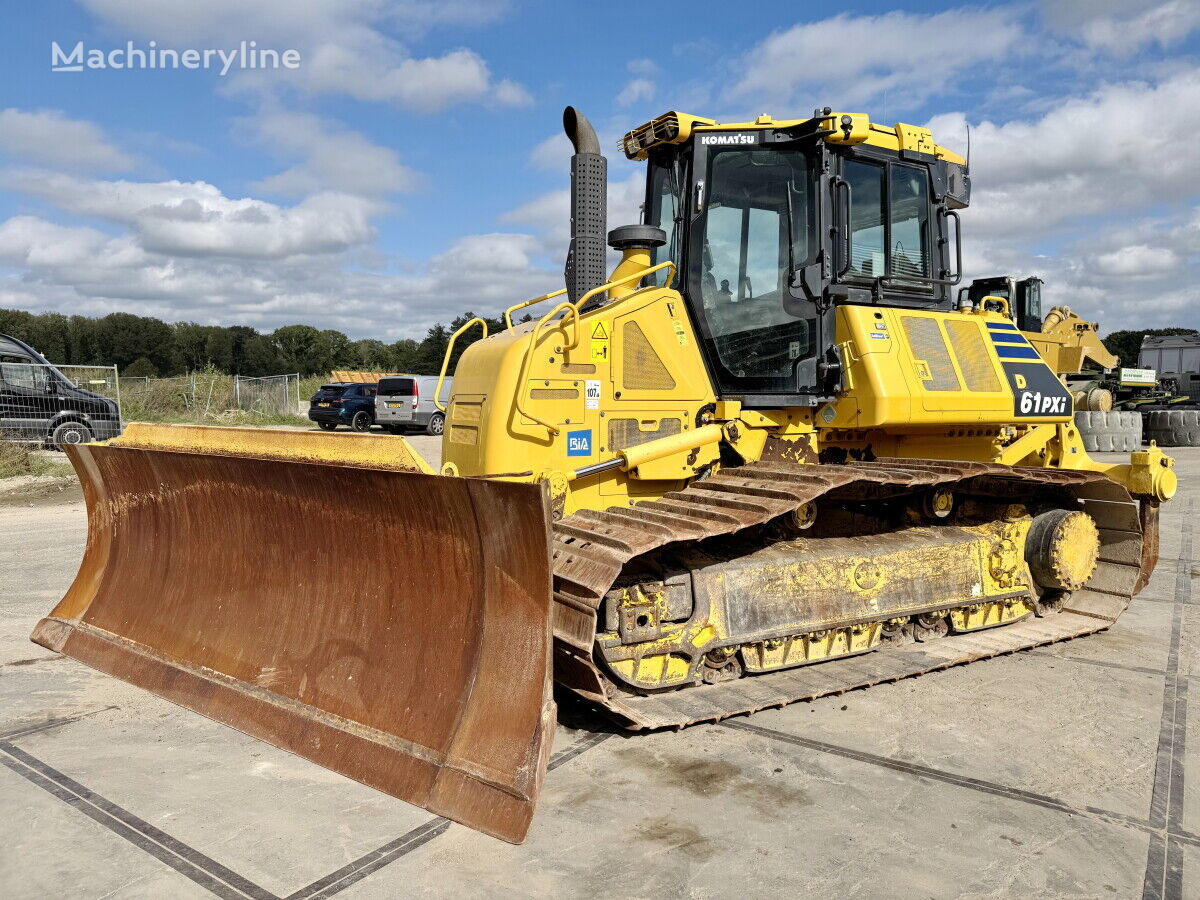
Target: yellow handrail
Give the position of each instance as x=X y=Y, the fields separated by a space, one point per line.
x=632 y=276
x=512 y=309
x=537 y=331
x=437 y=392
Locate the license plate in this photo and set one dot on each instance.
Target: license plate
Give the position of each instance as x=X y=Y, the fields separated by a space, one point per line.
x=393 y=405
x=324 y=404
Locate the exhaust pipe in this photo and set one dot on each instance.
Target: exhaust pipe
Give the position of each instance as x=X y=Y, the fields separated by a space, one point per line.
x=586 y=266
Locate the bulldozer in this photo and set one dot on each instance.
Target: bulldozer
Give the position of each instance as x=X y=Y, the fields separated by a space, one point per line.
x=766 y=458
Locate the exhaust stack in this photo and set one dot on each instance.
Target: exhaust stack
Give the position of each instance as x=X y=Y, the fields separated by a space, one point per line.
x=586 y=266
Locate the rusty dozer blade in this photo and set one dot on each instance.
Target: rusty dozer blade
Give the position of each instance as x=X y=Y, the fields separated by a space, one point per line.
x=329 y=595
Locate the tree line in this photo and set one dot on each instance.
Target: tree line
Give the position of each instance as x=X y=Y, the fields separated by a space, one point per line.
x=141 y=345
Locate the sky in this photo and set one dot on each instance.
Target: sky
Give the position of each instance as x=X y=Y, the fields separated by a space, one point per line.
x=411 y=166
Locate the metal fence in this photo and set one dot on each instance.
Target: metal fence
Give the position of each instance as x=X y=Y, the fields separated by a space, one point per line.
x=270 y=394
x=61 y=404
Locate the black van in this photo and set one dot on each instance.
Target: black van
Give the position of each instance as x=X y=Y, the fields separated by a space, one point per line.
x=39 y=403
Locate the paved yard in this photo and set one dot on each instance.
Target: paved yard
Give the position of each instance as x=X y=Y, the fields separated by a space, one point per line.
x=1059 y=772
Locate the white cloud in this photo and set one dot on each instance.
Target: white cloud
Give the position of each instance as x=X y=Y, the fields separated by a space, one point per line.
x=1135 y=261
x=847 y=61
x=345 y=46
x=332 y=158
x=30 y=241
x=1123 y=147
x=1108 y=180
x=642 y=86
x=196 y=219
x=549 y=213
x=48 y=137
x=79 y=270
x=1123 y=26
x=553 y=153
x=636 y=90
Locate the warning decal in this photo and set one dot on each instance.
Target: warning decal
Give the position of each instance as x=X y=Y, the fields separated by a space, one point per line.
x=600 y=343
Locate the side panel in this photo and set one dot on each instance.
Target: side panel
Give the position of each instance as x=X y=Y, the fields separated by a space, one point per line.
x=634 y=373
x=932 y=369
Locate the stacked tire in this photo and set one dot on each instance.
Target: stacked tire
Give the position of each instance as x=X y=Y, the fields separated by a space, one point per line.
x=1112 y=431
x=1174 y=427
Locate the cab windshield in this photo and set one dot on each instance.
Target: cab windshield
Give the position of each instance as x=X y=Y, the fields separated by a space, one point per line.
x=758 y=231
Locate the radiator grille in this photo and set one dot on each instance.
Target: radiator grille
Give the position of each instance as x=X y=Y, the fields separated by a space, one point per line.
x=642 y=369
x=626 y=433
x=463 y=411
x=554 y=393
x=973 y=360
x=579 y=368
x=464 y=434
x=925 y=338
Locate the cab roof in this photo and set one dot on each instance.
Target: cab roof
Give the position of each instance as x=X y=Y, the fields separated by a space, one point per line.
x=844 y=128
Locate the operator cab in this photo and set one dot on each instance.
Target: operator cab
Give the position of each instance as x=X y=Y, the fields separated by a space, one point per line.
x=1024 y=297
x=774 y=223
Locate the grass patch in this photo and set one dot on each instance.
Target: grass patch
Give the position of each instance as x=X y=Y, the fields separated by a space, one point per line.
x=20 y=459
x=203 y=398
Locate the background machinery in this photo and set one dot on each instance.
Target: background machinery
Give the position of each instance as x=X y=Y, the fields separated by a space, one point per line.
x=764 y=459
x=1107 y=396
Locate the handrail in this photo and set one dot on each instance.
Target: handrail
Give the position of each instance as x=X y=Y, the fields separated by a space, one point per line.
x=632 y=276
x=512 y=309
x=574 y=342
x=537 y=331
x=437 y=392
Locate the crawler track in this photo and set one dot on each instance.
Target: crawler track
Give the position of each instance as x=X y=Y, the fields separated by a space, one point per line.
x=591 y=548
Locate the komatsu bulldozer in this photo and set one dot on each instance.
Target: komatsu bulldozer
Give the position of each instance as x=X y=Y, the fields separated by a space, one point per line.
x=767 y=458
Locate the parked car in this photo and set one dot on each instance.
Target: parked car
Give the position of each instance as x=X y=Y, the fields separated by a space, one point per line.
x=39 y=403
x=406 y=402
x=343 y=403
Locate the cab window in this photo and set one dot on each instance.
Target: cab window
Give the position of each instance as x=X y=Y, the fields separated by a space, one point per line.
x=758 y=231
x=908 y=241
x=889 y=220
x=665 y=193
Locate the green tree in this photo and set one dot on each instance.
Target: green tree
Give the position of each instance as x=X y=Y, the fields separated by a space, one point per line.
x=190 y=346
x=140 y=368
x=298 y=347
x=122 y=338
x=402 y=356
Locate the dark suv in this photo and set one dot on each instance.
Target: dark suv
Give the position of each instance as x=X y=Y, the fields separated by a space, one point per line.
x=39 y=403
x=344 y=403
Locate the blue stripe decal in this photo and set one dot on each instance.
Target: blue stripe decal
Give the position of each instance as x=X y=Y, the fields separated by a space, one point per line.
x=1008 y=339
x=1002 y=326
x=1017 y=353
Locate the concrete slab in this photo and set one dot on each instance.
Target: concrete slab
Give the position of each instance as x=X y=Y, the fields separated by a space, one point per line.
x=722 y=810
x=40 y=549
x=812 y=798
x=1141 y=637
x=284 y=822
x=52 y=850
x=1083 y=734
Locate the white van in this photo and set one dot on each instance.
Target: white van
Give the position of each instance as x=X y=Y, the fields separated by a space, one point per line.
x=406 y=402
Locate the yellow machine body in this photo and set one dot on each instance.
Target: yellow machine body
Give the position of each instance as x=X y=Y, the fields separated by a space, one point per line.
x=918 y=384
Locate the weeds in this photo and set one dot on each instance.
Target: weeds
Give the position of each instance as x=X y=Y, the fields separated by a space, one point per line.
x=203 y=398
x=22 y=459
